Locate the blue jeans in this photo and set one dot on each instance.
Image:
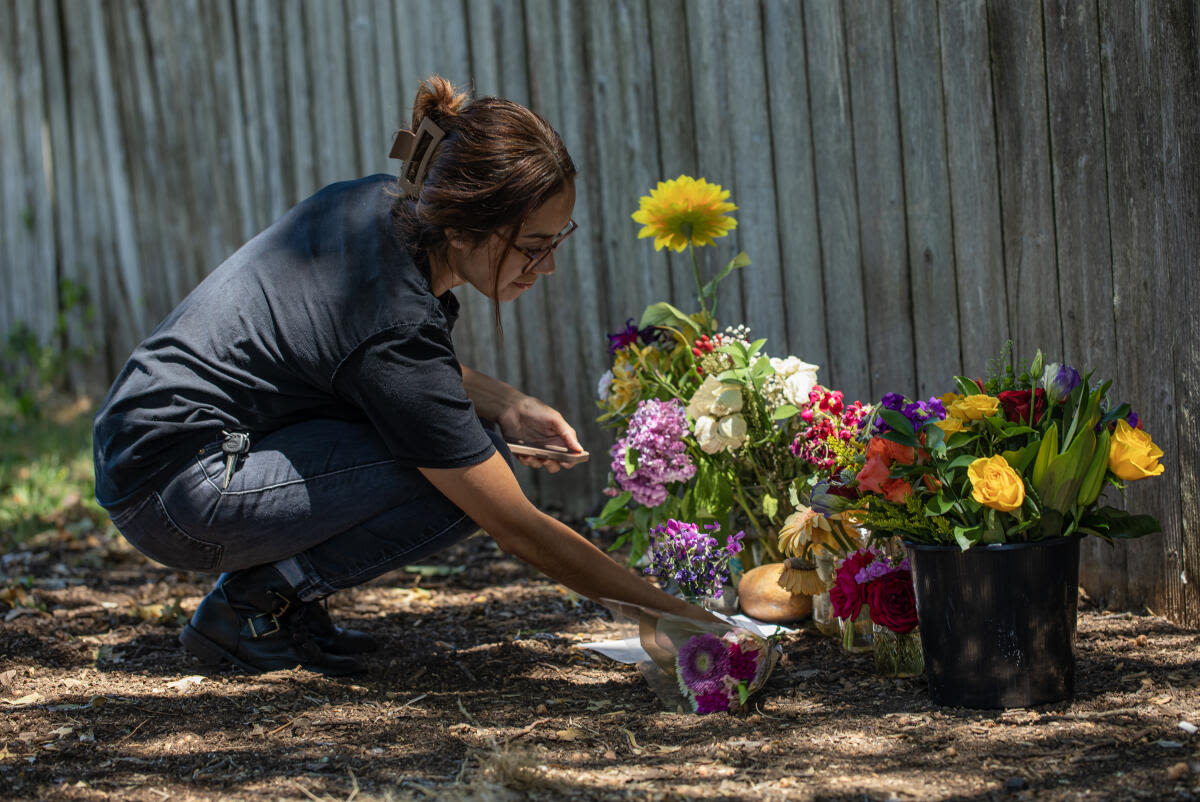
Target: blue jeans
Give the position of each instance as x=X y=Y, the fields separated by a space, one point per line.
x=322 y=499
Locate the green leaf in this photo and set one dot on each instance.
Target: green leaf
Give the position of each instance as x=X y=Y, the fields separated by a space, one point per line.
x=938 y=505
x=663 y=314
x=1046 y=452
x=898 y=422
x=739 y=261
x=762 y=368
x=1113 y=523
x=784 y=411
x=967 y=536
x=960 y=439
x=966 y=386
x=961 y=461
x=902 y=439
x=1020 y=459
x=770 y=506
x=1093 y=479
x=614 y=510
x=1059 y=487
x=631 y=461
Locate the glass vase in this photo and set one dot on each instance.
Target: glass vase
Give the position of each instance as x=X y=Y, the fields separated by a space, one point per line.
x=897 y=655
x=824 y=617
x=857 y=635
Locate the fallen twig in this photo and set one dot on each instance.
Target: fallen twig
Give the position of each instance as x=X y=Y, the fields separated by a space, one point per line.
x=285 y=726
x=524 y=730
x=131 y=732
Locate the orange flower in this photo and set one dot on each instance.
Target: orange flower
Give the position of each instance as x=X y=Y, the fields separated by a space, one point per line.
x=875 y=476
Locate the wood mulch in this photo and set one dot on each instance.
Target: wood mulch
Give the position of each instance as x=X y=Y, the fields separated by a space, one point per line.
x=482 y=693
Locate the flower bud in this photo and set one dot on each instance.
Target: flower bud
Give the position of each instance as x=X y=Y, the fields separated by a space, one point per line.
x=1059 y=380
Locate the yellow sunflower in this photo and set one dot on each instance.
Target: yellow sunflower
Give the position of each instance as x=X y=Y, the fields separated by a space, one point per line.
x=685 y=209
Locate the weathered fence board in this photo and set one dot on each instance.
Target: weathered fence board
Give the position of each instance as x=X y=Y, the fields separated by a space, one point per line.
x=926 y=199
x=879 y=174
x=974 y=181
x=837 y=201
x=795 y=184
x=913 y=191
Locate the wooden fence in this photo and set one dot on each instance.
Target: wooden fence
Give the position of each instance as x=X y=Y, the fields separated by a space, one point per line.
x=917 y=182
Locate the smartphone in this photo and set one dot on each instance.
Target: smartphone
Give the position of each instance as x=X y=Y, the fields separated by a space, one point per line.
x=548 y=451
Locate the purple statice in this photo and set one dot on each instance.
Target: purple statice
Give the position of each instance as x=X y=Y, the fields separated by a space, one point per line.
x=655 y=434
x=715 y=702
x=703 y=663
x=694 y=560
x=629 y=335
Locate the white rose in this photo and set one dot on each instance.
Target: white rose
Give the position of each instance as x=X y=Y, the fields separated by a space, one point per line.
x=714 y=398
x=798 y=378
x=733 y=430
x=706 y=434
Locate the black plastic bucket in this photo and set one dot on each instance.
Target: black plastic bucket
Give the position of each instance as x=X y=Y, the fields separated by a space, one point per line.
x=998 y=622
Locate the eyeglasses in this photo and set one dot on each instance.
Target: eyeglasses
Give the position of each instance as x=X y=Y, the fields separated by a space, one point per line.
x=537 y=255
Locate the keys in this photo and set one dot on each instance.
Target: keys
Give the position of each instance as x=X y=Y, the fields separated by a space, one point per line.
x=234 y=446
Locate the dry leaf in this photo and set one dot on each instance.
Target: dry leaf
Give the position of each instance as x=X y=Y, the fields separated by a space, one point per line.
x=27 y=699
x=569 y=734
x=62 y=731
x=633 y=744
x=186 y=682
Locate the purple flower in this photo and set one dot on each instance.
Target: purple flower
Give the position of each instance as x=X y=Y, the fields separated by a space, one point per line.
x=715 y=702
x=917 y=412
x=703 y=663
x=1059 y=380
x=1133 y=420
x=629 y=335
x=743 y=664
x=655 y=433
x=693 y=559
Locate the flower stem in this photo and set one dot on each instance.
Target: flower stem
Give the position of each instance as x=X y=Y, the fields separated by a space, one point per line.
x=704 y=313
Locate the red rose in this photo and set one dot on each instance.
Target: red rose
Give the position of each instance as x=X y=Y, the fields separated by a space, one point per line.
x=892 y=601
x=1016 y=405
x=846 y=596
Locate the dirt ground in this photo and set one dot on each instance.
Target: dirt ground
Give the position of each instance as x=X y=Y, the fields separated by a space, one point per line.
x=481 y=693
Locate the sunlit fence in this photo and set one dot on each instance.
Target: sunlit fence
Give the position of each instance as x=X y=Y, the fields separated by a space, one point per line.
x=917 y=182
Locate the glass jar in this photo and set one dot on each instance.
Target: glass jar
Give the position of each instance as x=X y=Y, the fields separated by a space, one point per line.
x=857 y=635
x=897 y=655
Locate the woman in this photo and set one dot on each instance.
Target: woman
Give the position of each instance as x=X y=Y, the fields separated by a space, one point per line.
x=301 y=422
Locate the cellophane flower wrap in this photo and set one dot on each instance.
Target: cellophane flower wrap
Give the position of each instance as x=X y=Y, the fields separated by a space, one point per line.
x=741 y=405
x=700 y=667
x=1022 y=456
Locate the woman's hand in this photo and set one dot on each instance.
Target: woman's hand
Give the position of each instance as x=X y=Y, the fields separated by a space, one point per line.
x=530 y=421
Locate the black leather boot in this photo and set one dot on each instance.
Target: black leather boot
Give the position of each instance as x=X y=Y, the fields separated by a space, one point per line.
x=332 y=638
x=255 y=621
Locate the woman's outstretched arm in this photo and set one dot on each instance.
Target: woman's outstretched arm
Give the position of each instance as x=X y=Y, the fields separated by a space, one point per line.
x=489 y=494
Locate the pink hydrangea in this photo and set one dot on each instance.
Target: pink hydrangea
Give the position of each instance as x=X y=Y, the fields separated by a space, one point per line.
x=655 y=433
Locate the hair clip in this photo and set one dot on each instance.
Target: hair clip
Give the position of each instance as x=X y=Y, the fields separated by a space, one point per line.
x=417 y=150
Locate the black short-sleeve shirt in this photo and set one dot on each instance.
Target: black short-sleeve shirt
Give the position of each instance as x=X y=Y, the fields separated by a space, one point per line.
x=324 y=314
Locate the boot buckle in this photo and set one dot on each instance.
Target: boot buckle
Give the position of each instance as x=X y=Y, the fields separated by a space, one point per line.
x=273 y=623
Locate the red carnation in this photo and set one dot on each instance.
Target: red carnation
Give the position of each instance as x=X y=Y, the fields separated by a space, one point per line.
x=1016 y=405
x=892 y=601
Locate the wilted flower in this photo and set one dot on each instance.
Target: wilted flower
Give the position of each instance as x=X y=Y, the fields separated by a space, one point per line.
x=684 y=210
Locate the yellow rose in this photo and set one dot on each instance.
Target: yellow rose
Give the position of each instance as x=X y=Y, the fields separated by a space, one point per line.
x=995 y=484
x=1132 y=454
x=949 y=398
x=974 y=407
x=951 y=425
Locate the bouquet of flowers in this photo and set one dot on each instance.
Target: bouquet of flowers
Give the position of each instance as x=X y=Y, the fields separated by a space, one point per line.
x=867 y=577
x=705 y=419
x=693 y=560
x=718 y=674
x=1020 y=457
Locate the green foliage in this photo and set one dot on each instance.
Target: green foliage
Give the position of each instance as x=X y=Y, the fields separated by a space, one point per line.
x=46 y=475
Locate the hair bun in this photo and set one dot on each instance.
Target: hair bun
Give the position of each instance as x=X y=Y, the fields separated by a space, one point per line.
x=437 y=99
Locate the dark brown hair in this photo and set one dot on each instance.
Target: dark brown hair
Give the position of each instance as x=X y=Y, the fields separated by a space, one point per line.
x=498 y=163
